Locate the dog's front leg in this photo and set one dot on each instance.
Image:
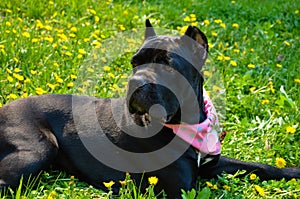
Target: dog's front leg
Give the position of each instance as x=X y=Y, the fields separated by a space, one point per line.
x=231 y=166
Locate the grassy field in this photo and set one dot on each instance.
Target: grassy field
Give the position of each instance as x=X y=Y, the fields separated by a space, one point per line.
x=52 y=46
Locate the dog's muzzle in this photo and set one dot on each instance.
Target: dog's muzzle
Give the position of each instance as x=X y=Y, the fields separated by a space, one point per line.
x=144 y=98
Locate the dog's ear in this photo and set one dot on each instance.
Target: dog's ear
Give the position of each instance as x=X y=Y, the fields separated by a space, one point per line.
x=149 y=30
x=196 y=34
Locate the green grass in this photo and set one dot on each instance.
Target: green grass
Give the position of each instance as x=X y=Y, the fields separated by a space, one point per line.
x=48 y=46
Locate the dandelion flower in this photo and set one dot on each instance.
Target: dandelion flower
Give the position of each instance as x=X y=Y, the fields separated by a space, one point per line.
x=253 y=176
x=226 y=187
x=220 y=57
x=71 y=84
x=82 y=51
x=9 y=78
x=266 y=101
x=206 y=22
x=40 y=91
x=223 y=25
x=215 y=187
x=26 y=34
x=235 y=25
x=287 y=43
x=73 y=29
x=7 y=23
x=233 y=63
x=280 y=162
x=187 y=19
x=226 y=58
x=153 y=180
x=251 y=66
x=12 y=96
x=209 y=184
x=290 y=129
x=260 y=190
x=109 y=184
x=73 y=76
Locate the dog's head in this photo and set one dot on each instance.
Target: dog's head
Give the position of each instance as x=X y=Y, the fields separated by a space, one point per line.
x=167 y=79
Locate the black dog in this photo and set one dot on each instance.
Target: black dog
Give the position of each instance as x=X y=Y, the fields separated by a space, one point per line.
x=99 y=140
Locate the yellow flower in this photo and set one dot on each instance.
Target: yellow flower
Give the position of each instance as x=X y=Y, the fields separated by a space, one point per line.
x=55 y=64
x=97 y=19
x=1 y=105
x=82 y=51
x=218 y=21
x=253 y=176
x=223 y=25
x=297 y=81
x=226 y=58
x=214 y=186
x=71 y=84
x=18 y=77
x=251 y=66
x=8 y=70
x=40 y=91
x=278 y=65
x=233 y=63
x=207 y=73
x=109 y=184
x=49 y=39
x=52 y=86
x=122 y=27
x=216 y=88
x=26 y=34
x=92 y=11
x=90 y=70
x=187 y=19
x=215 y=34
x=12 y=96
x=7 y=23
x=79 y=56
x=103 y=59
x=226 y=187
x=209 y=184
x=235 y=25
x=153 y=180
x=106 y=68
x=265 y=102
x=206 y=22
x=69 y=54
x=73 y=29
x=10 y=79
x=220 y=57
x=33 y=72
x=260 y=190
x=111 y=75
x=72 y=35
x=296 y=12
x=271 y=87
x=24 y=95
x=287 y=43
x=51 y=3
x=73 y=76
x=34 y=40
x=122 y=182
x=16 y=70
x=47 y=27
x=290 y=129
x=280 y=162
